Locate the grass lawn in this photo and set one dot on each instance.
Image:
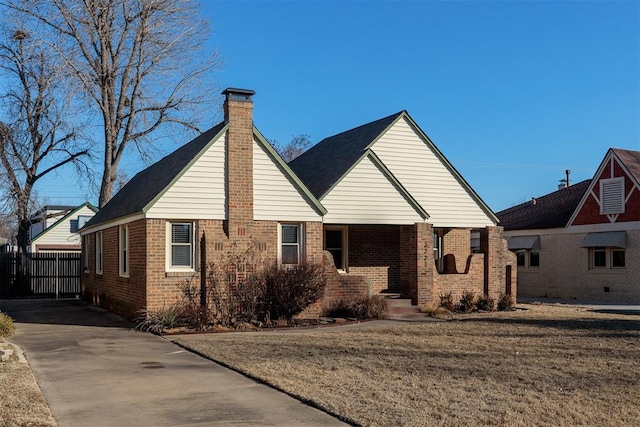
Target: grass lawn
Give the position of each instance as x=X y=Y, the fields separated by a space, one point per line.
x=21 y=401
x=545 y=365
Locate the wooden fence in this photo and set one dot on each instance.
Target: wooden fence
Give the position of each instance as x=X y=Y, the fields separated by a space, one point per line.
x=46 y=275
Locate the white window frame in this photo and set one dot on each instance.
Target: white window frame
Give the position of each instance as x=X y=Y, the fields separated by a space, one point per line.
x=615 y=186
x=609 y=250
x=345 y=244
x=85 y=250
x=169 y=245
x=527 y=258
x=99 y=253
x=123 y=251
x=300 y=244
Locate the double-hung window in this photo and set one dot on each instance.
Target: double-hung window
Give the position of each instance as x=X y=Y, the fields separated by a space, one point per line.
x=124 y=250
x=180 y=246
x=99 y=252
x=85 y=250
x=602 y=257
x=290 y=249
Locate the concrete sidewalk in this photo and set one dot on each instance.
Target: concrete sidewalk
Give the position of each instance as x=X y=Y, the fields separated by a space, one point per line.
x=94 y=370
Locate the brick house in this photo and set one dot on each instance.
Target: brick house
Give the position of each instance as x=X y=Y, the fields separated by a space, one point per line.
x=582 y=241
x=348 y=201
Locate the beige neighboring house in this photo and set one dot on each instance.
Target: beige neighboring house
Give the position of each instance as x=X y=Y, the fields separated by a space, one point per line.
x=582 y=242
x=56 y=228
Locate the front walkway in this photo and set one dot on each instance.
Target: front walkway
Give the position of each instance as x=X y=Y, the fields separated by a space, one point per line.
x=94 y=370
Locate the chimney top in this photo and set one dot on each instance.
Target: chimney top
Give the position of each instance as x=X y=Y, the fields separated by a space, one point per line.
x=235 y=94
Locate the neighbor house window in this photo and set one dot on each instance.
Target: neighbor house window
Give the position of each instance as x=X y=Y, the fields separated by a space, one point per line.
x=124 y=250
x=290 y=244
x=99 y=252
x=180 y=246
x=606 y=257
x=527 y=258
x=85 y=250
x=335 y=242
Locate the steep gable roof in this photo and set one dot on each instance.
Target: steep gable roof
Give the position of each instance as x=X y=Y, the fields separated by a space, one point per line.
x=61 y=220
x=151 y=182
x=550 y=211
x=324 y=164
x=631 y=160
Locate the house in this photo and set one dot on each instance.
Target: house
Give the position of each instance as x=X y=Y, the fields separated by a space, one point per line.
x=379 y=205
x=55 y=228
x=582 y=241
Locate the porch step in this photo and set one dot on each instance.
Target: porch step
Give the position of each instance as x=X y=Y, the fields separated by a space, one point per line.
x=401 y=308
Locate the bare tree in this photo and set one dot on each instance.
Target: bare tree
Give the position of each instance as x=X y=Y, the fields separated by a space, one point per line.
x=139 y=63
x=35 y=140
x=298 y=145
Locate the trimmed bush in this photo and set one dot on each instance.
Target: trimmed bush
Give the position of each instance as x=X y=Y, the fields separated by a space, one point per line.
x=467 y=302
x=446 y=301
x=485 y=303
x=7 y=328
x=506 y=302
x=373 y=307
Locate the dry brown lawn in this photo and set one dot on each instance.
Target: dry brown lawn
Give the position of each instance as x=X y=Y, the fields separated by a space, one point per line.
x=545 y=365
x=21 y=401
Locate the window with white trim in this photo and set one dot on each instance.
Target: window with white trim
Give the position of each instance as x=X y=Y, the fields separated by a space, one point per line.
x=290 y=250
x=601 y=258
x=180 y=246
x=99 y=252
x=85 y=251
x=335 y=242
x=528 y=258
x=123 y=243
x=612 y=196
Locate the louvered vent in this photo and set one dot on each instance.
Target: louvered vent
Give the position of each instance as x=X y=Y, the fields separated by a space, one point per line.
x=612 y=196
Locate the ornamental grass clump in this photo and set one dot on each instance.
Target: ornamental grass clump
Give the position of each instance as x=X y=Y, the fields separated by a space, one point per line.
x=7 y=328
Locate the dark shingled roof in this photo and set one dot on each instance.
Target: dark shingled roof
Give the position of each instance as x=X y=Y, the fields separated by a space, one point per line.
x=150 y=182
x=631 y=159
x=324 y=164
x=550 y=211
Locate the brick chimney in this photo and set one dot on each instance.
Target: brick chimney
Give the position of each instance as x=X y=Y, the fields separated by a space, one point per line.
x=238 y=113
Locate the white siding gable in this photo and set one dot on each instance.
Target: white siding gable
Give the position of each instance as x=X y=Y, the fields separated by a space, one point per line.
x=275 y=197
x=366 y=196
x=427 y=179
x=60 y=232
x=199 y=192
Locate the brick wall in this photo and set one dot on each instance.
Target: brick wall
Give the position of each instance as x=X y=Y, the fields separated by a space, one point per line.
x=497 y=258
x=456 y=242
x=373 y=252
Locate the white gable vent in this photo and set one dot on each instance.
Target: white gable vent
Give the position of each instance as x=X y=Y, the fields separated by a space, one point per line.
x=612 y=196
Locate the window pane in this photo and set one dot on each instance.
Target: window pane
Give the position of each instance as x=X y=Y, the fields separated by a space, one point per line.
x=290 y=254
x=599 y=257
x=289 y=234
x=334 y=239
x=520 y=255
x=180 y=233
x=534 y=259
x=181 y=255
x=337 y=258
x=618 y=258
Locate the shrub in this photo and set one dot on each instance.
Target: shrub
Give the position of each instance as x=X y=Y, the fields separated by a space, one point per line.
x=288 y=291
x=506 y=302
x=485 y=303
x=433 y=309
x=7 y=327
x=371 y=307
x=156 y=321
x=467 y=302
x=446 y=301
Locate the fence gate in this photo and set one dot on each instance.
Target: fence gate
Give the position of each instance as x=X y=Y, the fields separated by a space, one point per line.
x=42 y=275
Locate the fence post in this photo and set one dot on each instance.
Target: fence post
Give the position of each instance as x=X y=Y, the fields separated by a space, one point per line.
x=57 y=278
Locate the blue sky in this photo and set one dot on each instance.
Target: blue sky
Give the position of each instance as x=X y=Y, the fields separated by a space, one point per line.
x=513 y=93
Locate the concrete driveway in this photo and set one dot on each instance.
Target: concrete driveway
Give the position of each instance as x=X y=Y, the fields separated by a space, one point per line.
x=94 y=370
